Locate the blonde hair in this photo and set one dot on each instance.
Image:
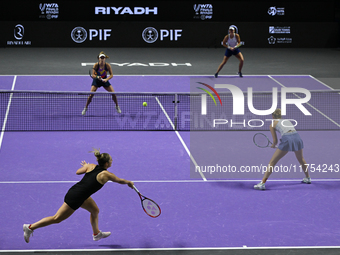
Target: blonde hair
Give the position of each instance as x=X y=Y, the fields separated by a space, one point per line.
x=102 y=52
x=102 y=158
x=277 y=113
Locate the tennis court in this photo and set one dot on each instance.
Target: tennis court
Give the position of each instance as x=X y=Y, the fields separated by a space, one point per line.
x=199 y=210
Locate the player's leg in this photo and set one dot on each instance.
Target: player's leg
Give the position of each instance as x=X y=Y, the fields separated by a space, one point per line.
x=110 y=89
x=278 y=154
x=303 y=163
x=225 y=59
x=239 y=56
x=114 y=97
x=62 y=214
x=91 y=206
x=89 y=99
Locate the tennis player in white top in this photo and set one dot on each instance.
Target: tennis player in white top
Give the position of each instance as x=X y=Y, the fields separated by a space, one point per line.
x=290 y=141
x=232 y=42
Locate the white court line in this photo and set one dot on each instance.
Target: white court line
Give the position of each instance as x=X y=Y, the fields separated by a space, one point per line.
x=172 y=181
x=334 y=122
x=180 y=138
x=7 y=111
x=180 y=249
x=132 y=75
x=321 y=82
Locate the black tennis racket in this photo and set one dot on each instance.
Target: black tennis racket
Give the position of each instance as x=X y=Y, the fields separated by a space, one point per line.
x=261 y=140
x=150 y=207
x=93 y=72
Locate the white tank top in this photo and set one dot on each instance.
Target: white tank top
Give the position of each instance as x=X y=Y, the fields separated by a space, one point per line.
x=283 y=129
x=232 y=42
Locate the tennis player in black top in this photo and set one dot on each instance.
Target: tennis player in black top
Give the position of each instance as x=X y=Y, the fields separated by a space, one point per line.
x=79 y=195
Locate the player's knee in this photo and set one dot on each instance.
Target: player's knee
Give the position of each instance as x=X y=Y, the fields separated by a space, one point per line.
x=302 y=161
x=272 y=163
x=300 y=158
x=57 y=219
x=95 y=211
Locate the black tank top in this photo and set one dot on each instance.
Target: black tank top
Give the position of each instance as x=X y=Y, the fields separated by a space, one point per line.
x=89 y=184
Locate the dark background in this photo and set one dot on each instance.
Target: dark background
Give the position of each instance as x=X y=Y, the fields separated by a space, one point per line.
x=171 y=11
x=311 y=24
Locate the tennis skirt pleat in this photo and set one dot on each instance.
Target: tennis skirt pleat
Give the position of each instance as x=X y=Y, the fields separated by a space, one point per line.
x=291 y=142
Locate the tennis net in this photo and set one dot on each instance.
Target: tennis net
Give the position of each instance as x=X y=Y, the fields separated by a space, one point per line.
x=62 y=111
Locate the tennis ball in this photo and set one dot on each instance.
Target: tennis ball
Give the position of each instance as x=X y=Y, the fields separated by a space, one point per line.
x=145 y=104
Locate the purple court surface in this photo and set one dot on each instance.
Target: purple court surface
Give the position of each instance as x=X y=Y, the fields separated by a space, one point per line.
x=198 y=211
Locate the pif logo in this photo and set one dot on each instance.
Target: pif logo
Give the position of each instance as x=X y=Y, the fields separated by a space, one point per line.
x=150 y=34
x=79 y=34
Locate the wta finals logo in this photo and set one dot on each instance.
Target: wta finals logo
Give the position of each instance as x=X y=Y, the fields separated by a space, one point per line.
x=203 y=11
x=49 y=10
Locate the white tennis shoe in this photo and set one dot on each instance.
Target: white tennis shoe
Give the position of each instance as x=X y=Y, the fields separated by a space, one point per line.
x=307 y=180
x=260 y=186
x=27 y=232
x=118 y=109
x=84 y=111
x=101 y=235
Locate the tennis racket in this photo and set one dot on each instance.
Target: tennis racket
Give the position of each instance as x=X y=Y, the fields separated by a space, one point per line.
x=92 y=72
x=149 y=206
x=261 y=140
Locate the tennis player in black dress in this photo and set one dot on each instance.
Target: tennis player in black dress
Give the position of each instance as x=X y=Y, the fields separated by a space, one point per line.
x=79 y=195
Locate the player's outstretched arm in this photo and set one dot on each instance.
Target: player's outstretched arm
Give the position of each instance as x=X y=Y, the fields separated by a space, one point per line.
x=106 y=176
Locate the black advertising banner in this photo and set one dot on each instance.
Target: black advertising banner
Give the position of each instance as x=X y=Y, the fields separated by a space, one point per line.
x=170 y=11
x=165 y=34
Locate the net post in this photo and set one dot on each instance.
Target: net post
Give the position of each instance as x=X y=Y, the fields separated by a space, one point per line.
x=176 y=112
